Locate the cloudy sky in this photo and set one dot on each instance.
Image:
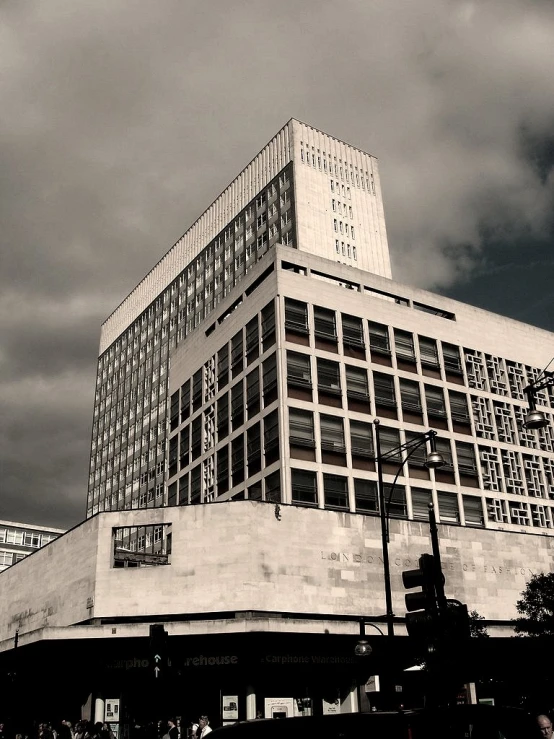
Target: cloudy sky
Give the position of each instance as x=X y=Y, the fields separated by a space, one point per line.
x=122 y=120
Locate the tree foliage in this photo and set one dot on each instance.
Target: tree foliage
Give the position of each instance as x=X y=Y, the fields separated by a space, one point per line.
x=536 y=607
x=477 y=628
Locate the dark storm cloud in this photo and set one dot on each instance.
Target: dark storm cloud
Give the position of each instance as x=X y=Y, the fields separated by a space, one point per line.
x=121 y=121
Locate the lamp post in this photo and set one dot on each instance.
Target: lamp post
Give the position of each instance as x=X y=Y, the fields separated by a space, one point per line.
x=432 y=461
x=536 y=419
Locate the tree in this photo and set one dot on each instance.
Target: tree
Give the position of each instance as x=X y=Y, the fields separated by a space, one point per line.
x=477 y=629
x=536 y=607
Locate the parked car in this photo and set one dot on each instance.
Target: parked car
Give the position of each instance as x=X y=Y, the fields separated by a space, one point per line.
x=457 y=722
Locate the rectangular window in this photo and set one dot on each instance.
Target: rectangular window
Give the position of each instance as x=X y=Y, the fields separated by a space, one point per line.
x=379 y=341
x=268 y=325
x=459 y=410
x=352 y=331
x=252 y=340
x=357 y=387
x=237 y=405
x=467 y=464
x=223 y=417
x=196 y=485
x=296 y=316
x=410 y=396
x=174 y=411
x=418 y=454
x=271 y=437
x=253 y=449
x=452 y=361
x=325 y=324
x=197 y=390
x=390 y=441
x=184 y=490
x=434 y=397
x=173 y=454
x=237 y=460
x=328 y=377
x=253 y=392
x=273 y=487
x=223 y=366
x=222 y=466
x=237 y=353
x=404 y=346
x=443 y=448
x=395 y=500
x=428 y=352
x=196 y=437
x=269 y=375
x=332 y=434
x=301 y=428
x=365 y=496
x=303 y=487
x=184 y=447
x=335 y=488
x=361 y=439
x=299 y=370
x=383 y=386
x=448 y=507
x=473 y=510
x=420 y=503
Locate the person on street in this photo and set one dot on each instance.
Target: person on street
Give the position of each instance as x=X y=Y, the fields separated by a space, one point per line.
x=202 y=728
x=545 y=726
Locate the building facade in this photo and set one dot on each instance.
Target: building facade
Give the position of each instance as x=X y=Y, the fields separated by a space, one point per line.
x=17 y=540
x=305 y=190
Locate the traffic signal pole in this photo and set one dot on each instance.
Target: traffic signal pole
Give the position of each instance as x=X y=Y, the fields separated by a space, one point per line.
x=439 y=580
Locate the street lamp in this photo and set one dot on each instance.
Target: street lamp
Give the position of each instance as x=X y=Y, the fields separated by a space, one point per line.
x=536 y=419
x=433 y=460
x=363 y=647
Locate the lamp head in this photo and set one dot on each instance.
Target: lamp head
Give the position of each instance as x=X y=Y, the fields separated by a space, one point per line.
x=363 y=648
x=535 y=420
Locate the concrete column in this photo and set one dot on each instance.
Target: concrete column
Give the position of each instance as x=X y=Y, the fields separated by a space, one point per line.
x=250 y=702
x=99 y=710
x=471 y=692
x=350 y=702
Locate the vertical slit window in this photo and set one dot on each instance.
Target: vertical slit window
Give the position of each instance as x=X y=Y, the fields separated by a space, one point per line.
x=253 y=449
x=196 y=437
x=184 y=490
x=223 y=366
x=222 y=466
x=237 y=460
x=237 y=405
x=185 y=401
x=269 y=372
x=271 y=437
x=174 y=412
x=197 y=390
x=184 y=447
x=236 y=354
x=268 y=325
x=173 y=454
x=196 y=485
x=223 y=417
x=253 y=392
x=252 y=340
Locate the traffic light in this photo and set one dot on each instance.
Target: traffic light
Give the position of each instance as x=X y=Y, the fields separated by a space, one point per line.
x=456 y=621
x=424 y=621
x=158 y=649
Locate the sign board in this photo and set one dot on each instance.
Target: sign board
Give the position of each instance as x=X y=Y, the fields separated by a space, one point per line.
x=331 y=706
x=279 y=707
x=112 y=709
x=230 y=710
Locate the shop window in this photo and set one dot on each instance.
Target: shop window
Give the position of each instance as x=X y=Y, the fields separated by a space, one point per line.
x=335 y=489
x=303 y=487
x=365 y=496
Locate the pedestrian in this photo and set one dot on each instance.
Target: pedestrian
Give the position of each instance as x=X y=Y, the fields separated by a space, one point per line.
x=545 y=725
x=202 y=728
x=172 y=730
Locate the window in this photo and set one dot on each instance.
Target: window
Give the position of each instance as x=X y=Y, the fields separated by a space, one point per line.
x=390 y=441
x=379 y=342
x=271 y=437
x=299 y=370
x=303 y=487
x=395 y=501
x=31 y=539
x=443 y=447
x=184 y=447
x=252 y=340
x=428 y=352
x=253 y=392
x=420 y=503
x=384 y=390
x=332 y=434
x=237 y=405
x=196 y=485
x=184 y=490
x=434 y=398
x=357 y=388
x=335 y=489
x=352 y=331
x=365 y=496
x=361 y=439
x=459 y=410
x=268 y=325
x=174 y=411
x=236 y=354
x=324 y=324
x=237 y=460
x=173 y=454
x=452 y=362
x=328 y=377
x=467 y=464
x=223 y=417
x=196 y=437
x=269 y=374
x=410 y=396
x=222 y=466
x=273 y=487
x=448 y=507
x=253 y=449
x=197 y=390
x=301 y=428
x=473 y=510
x=404 y=346
x=296 y=316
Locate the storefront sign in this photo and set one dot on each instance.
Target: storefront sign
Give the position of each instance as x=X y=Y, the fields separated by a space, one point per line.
x=112 y=709
x=230 y=711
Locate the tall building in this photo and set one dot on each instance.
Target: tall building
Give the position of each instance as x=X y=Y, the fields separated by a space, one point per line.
x=306 y=190
x=17 y=540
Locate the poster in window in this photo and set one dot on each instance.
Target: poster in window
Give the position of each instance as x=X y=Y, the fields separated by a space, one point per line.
x=230 y=708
